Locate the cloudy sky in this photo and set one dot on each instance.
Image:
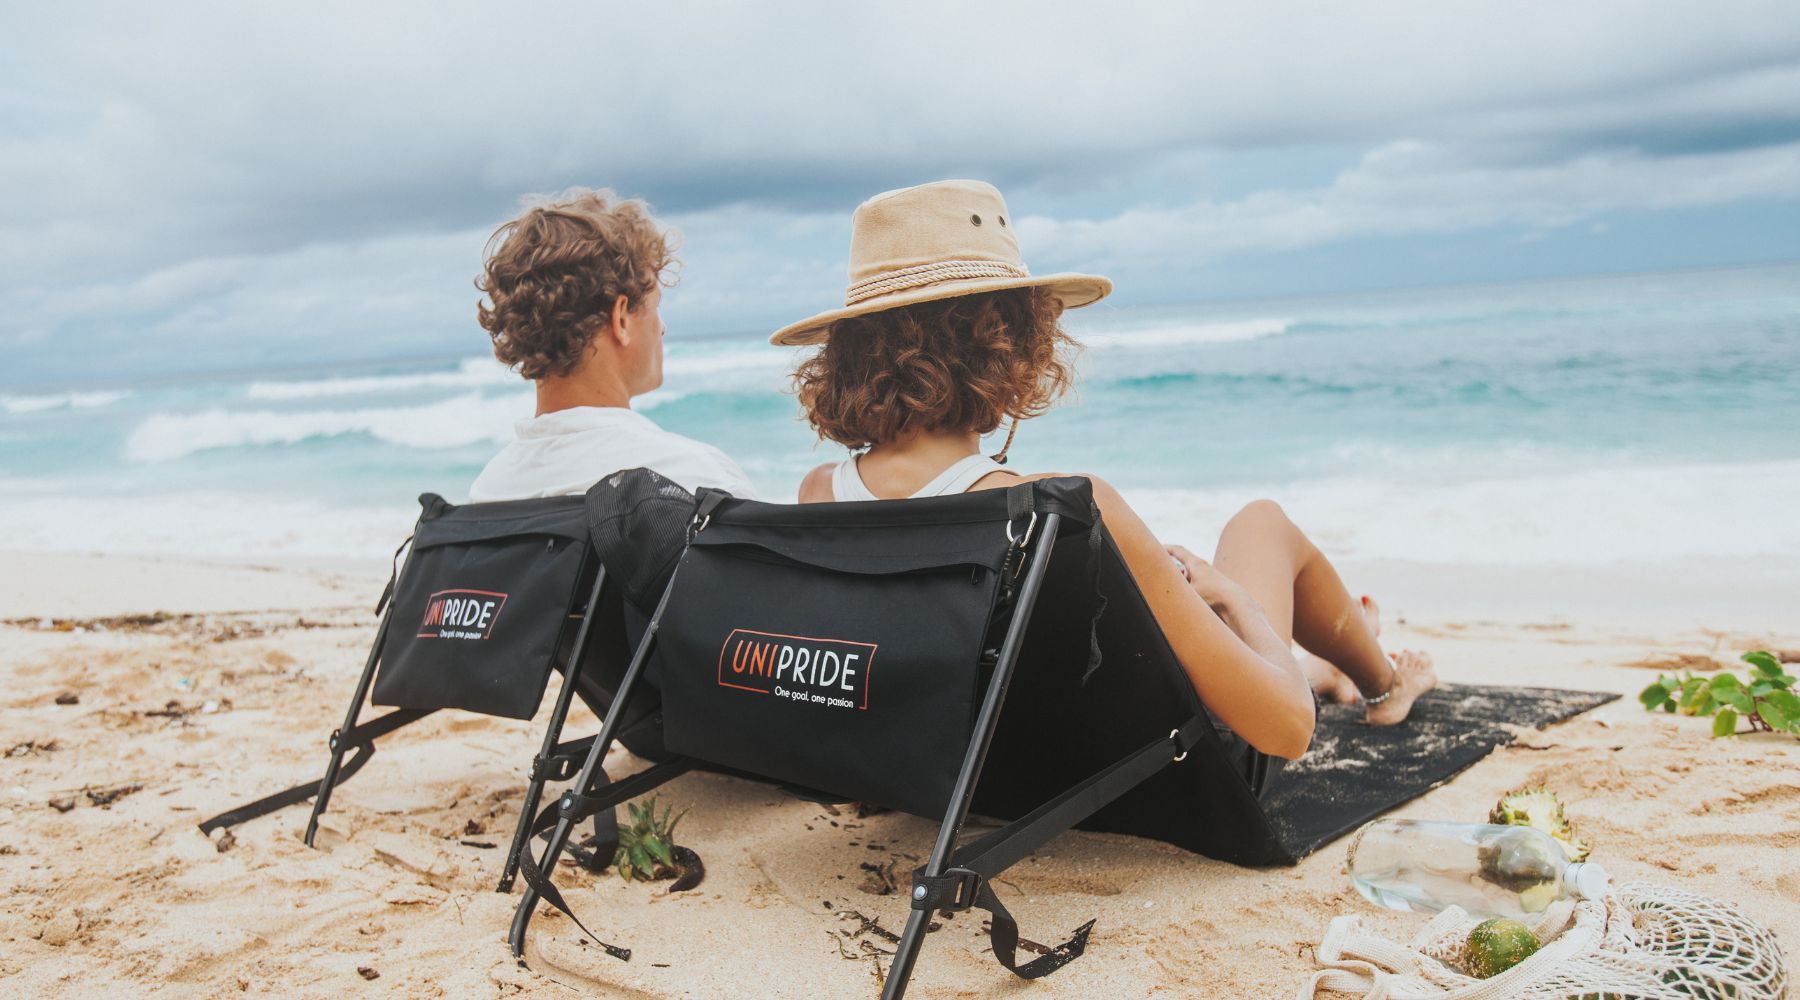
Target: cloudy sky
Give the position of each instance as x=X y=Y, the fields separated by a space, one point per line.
x=190 y=187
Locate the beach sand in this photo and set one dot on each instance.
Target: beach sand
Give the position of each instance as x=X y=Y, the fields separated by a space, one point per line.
x=231 y=695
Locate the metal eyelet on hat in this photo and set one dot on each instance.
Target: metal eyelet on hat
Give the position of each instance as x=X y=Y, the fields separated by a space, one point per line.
x=975 y=219
x=1003 y=222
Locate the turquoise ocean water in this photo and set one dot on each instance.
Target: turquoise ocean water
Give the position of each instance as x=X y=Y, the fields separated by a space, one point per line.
x=1633 y=420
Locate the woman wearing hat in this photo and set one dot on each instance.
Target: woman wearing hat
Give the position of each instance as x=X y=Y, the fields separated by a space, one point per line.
x=944 y=334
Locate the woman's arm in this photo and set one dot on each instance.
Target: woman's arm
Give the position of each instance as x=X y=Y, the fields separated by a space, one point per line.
x=1238 y=665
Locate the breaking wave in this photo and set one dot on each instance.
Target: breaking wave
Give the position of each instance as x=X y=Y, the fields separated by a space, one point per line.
x=60 y=401
x=471 y=373
x=450 y=423
x=1186 y=334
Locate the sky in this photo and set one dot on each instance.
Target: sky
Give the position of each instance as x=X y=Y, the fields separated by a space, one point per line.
x=190 y=187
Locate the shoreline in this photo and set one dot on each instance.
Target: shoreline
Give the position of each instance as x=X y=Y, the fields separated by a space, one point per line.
x=1743 y=595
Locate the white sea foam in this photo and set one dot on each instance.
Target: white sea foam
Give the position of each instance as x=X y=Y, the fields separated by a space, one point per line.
x=684 y=360
x=707 y=359
x=471 y=373
x=1187 y=334
x=449 y=423
x=60 y=401
x=1621 y=516
x=1634 y=519
x=206 y=525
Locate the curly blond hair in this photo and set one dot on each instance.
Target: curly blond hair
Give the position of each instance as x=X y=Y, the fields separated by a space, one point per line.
x=956 y=364
x=552 y=275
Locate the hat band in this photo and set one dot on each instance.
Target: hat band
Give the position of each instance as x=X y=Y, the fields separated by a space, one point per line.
x=930 y=274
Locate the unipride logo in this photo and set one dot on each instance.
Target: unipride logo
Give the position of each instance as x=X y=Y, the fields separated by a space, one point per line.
x=461 y=614
x=830 y=672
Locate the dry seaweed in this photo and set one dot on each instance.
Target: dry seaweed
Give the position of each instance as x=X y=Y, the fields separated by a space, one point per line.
x=878 y=879
x=105 y=797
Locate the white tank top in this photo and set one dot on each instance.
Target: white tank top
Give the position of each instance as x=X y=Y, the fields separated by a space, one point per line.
x=847 y=483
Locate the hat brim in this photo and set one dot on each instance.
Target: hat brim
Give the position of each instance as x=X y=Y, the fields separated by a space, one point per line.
x=1073 y=290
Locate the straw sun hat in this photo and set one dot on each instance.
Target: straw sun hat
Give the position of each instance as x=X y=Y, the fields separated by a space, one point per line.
x=935 y=241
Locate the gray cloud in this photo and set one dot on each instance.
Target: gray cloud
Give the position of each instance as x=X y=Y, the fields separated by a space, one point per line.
x=1411 y=187
x=211 y=173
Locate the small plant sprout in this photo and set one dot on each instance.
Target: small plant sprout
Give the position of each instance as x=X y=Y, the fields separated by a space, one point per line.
x=1764 y=698
x=647 y=848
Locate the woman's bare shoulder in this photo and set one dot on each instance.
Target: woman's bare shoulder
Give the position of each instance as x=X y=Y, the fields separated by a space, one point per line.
x=816 y=487
x=1112 y=504
x=1010 y=478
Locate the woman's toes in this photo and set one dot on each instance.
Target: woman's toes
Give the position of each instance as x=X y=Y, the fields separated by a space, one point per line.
x=1372 y=612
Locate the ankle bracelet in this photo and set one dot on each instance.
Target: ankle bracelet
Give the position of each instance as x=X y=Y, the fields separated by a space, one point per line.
x=1393 y=682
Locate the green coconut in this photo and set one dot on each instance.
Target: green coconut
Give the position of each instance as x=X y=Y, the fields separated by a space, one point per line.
x=1497 y=945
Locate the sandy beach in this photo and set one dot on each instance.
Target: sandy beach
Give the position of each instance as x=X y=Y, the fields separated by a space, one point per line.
x=142 y=694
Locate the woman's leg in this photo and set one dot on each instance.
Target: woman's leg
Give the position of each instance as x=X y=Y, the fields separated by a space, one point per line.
x=1266 y=554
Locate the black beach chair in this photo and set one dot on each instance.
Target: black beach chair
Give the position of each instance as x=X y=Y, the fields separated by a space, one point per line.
x=490 y=599
x=988 y=651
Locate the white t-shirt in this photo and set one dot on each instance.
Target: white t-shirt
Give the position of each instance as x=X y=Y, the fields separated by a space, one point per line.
x=565 y=452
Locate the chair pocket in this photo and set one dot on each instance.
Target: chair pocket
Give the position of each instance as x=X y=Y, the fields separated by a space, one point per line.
x=862 y=685
x=475 y=623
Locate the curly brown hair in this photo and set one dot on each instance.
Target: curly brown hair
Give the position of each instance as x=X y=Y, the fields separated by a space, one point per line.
x=553 y=274
x=955 y=364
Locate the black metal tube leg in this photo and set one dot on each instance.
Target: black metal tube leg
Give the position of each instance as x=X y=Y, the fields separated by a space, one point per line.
x=906 y=953
x=534 y=792
x=585 y=780
x=337 y=746
x=324 y=794
x=900 y=969
x=559 y=839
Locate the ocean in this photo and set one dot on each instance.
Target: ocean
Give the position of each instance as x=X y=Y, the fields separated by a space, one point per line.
x=1633 y=422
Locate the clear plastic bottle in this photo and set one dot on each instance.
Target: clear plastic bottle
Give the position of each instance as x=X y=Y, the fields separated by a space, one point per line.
x=1488 y=870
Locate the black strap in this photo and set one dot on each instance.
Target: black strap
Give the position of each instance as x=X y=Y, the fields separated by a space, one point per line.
x=576 y=807
x=705 y=502
x=967 y=882
x=361 y=740
x=1096 y=552
x=563 y=762
x=1021 y=501
x=608 y=794
x=549 y=893
x=387 y=592
x=292 y=796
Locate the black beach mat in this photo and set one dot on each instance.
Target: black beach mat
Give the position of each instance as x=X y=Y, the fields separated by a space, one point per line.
x=1355 y=772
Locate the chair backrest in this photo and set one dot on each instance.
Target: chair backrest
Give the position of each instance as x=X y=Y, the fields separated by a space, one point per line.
x=1067 y=717
x=845 y=646
x=841 y=646
x=483 y=605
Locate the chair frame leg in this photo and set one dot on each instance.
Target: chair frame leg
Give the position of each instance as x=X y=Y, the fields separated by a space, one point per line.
x=906 y=953
x=565 y=698
x=336 y=742
x=584 y=782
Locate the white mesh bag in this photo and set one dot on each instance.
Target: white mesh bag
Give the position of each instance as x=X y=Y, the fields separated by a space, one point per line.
x=1642 y=942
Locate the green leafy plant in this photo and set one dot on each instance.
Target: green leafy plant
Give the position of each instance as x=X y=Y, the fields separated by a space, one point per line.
x=647 y=848
x=647 y=845
x=1764 y=697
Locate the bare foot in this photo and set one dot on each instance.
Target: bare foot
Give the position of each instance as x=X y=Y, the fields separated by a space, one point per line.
x=1413 y=676
x=1330 y=683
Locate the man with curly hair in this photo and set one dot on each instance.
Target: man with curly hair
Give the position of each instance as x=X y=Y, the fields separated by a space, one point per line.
x=573 y=290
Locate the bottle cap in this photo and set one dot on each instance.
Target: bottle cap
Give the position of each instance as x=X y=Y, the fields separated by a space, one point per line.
x=1586 y=880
